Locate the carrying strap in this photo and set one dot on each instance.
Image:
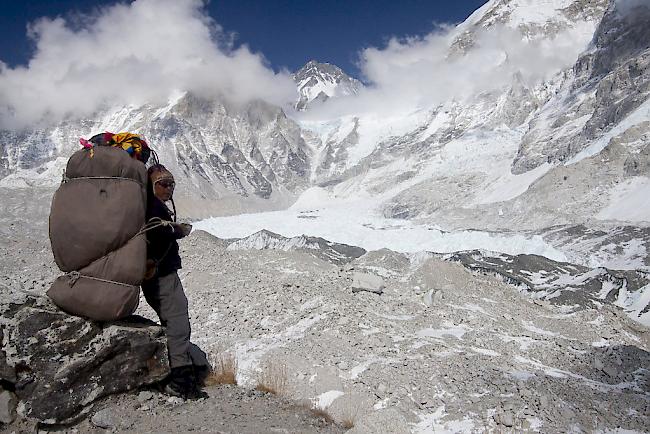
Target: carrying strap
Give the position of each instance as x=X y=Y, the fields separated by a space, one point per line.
x=75 y=275
x=119 y=178
x=154 y=223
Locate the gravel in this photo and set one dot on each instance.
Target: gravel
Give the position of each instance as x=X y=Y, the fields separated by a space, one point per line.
x=440 y=349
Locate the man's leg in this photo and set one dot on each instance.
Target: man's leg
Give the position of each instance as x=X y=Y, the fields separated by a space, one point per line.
x=167 y=298
x=174 y=316
x=151 y=289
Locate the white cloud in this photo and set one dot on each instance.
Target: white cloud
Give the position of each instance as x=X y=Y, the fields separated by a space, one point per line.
x=135 y=53
x=416 y=73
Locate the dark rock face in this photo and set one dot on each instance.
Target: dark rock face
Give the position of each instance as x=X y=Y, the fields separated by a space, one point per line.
x=616 y=364
x=622 y=35
x=227 y=175
x=7 y=373
x=58 y=364
x=560 y=283
x=335 y=253
x=638 y=164
x=236 y=159
x=610 y=82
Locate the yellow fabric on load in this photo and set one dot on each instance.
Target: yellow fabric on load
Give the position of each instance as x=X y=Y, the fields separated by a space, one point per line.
x=131 y=143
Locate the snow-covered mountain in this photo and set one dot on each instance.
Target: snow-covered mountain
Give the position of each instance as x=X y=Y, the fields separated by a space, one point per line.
x=569 y=150
x=227 y=159
x=317 y=82
x=603 y=98
x=539 y=19
x=511 y=157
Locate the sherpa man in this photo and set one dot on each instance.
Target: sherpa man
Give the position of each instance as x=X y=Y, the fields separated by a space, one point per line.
x=163 y=290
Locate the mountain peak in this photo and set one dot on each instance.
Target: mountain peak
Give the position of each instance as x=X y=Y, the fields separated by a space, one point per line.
x=316 y=67
x=321 y=81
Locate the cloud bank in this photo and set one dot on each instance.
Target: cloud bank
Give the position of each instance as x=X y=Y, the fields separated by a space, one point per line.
x=149 y=50
x=136 y=53
x=412 y=73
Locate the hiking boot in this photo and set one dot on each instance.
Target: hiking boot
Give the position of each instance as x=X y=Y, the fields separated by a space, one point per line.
x=196 y=393
x=193 y=393
x=182 y=384
x=201 y=373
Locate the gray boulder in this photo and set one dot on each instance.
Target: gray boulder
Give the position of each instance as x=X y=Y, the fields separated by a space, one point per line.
x=63 y=363
x=390 y=420
x=7 y=406
x=106 y=419
x=367 y=282
x=7 y=373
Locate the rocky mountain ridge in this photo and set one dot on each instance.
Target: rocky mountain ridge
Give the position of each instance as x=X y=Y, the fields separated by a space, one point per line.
x=609 y=83
x=318 y=247
x=240 y=157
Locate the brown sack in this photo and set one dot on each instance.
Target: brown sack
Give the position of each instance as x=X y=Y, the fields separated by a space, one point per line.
x=89 y=292
x=106 y=161
x=125 y=265
x=96 y=300
x=94 y=226
x=91 y=217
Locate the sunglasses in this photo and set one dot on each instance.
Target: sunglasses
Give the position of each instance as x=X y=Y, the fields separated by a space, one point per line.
x=166 y=184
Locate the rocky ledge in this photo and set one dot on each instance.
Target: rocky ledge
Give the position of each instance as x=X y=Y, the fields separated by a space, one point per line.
x=53 y=366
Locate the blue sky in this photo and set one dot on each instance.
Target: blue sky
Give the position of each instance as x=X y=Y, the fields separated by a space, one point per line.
x=287 y=32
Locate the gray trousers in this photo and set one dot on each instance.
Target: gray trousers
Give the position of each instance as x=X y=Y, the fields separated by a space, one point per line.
x=166 y=296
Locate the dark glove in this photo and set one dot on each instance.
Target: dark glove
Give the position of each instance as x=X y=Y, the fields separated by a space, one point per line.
x=183 y=229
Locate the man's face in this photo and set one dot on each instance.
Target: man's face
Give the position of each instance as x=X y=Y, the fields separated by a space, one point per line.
x=163 y=188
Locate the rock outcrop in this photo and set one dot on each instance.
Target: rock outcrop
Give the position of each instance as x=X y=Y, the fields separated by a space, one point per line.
x=335 y=253
x=564 y=284
x=607 y=84
x=58 y=364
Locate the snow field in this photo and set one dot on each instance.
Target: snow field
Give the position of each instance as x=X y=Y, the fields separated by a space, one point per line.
x=629 y=201
x=354 y=223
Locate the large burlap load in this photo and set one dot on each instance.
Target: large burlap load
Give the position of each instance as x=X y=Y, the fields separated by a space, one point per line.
x=95 y=222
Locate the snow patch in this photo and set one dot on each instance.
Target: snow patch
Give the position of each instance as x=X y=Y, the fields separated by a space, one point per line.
x=641 y=114
x=433 y=424
x=450 y=330
x=510 y=186
x=326 y=399
x=628 y=201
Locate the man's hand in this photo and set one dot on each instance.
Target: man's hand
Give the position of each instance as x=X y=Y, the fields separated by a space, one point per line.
x=182 y=228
